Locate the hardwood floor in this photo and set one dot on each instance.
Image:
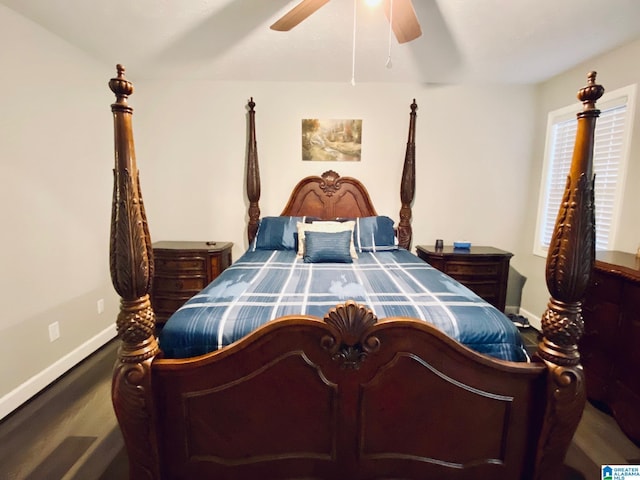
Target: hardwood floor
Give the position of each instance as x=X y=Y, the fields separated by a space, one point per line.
x=69 y=431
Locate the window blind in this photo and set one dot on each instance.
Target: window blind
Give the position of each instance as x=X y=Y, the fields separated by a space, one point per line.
x=608 y=166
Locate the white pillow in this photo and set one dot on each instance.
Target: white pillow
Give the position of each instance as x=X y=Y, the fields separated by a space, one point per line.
x=325 y=226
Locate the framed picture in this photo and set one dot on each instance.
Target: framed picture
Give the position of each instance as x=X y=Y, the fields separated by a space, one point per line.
x=331 y=140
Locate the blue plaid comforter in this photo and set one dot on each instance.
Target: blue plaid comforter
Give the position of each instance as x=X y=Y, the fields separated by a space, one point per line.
x=266 y=284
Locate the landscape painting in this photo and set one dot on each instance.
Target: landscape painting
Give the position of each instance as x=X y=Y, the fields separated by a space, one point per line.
x=331 y=140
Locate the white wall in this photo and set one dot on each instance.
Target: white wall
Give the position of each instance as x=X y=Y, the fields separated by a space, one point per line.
x=473 y=148
x=56 y=156
x=615 y=69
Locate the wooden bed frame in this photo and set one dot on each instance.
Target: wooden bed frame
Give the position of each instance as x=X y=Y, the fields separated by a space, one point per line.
x=347 y=396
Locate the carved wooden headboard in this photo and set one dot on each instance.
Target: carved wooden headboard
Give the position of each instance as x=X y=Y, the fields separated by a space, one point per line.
x=331 y=196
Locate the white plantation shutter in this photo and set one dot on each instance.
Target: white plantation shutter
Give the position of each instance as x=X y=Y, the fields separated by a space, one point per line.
x=608 y=154
x=612 y=136
x=564 y=135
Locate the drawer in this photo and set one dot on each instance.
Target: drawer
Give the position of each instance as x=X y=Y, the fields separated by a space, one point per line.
x=190 y=284
x=604 y=288
x=165 y=306
x=631 y=299
x=215 y=266
x=180 y=263
x=602 y=320
x=475 y=269
x=484 y=289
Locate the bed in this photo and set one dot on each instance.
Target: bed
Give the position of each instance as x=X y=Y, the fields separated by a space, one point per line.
x=265 y=284
x=350 y=392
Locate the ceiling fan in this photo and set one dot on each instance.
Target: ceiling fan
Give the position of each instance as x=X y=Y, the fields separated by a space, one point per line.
x=404 y=21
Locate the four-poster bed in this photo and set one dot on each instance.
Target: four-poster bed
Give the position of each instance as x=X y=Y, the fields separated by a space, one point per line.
x=349 y=395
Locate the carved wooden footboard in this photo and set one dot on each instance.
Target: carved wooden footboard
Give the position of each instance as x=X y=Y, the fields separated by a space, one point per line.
x=347 y=396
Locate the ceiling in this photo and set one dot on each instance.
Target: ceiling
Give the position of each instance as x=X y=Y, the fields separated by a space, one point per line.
x=463 y=41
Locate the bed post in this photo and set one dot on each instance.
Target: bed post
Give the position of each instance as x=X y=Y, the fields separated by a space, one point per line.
x=253 y=176
x=408 y=184
x=569 y=263
x=131 y=263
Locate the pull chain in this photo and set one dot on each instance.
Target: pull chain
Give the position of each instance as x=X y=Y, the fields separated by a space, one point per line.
x=353 y=54
x=389 y=64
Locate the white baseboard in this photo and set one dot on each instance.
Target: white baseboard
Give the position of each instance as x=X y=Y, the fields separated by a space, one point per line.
x=19 y=395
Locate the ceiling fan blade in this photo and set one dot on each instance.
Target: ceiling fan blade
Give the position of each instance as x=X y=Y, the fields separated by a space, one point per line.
x=297 y=14
x=404 y=22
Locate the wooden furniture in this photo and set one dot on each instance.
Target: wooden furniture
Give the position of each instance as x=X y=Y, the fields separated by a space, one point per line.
x=347 y=396
x=484 y=270
x=611 y=343
x=182 y=269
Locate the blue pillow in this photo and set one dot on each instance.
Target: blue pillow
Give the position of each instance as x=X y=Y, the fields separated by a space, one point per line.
x=374 y=234
x=277 y=233
x=327 y=247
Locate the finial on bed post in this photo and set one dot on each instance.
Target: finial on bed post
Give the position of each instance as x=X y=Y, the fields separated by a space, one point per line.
x=569 y=263
x=131 y=264
x=121 y=87
x=408 y=183
x=253 y=175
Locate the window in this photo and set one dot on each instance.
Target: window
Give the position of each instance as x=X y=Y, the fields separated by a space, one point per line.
x=611 y=147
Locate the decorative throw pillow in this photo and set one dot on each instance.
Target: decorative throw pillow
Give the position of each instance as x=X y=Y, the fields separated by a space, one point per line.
x=375 y=234
x=277 y=233
x=327 y=247
x=325 y=226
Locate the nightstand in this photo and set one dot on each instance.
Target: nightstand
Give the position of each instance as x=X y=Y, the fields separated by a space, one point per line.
x=182 y=269
x=484 y=270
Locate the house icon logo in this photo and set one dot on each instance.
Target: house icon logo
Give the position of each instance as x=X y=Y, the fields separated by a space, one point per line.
x=607 y=473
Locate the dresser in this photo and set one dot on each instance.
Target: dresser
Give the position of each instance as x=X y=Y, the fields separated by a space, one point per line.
x=182 y=269
x=485 y=270
x=610 y=346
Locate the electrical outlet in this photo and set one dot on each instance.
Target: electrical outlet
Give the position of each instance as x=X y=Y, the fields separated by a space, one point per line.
x=54 y=331
x=101 y=305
